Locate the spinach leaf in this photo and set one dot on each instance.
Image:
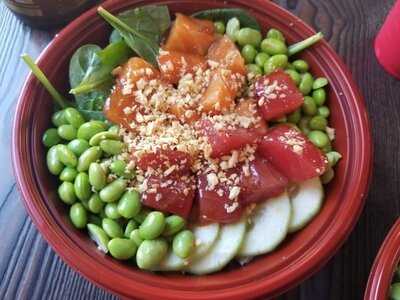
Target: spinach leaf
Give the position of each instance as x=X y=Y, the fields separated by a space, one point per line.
x=224 y=14
x=141 y=28
x=115 y=37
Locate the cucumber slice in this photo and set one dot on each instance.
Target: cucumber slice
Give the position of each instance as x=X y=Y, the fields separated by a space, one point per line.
x=223 y=250
x=306 y=203
x=172 y=262
x=269 y=226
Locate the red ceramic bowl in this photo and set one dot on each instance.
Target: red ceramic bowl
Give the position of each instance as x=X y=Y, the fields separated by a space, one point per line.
x=384 y=266
x=300 y=256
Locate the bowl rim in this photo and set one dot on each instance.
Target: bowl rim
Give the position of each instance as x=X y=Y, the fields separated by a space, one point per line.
x=306 y=268
x=385 y=263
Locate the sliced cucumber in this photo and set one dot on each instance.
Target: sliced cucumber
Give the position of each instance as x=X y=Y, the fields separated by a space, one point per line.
x=205 y=236
x=172 y=262
x=306 y=203
x=268 y=228
x=224 y=249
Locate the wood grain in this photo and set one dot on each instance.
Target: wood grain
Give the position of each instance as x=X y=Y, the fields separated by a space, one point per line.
x=29 y=269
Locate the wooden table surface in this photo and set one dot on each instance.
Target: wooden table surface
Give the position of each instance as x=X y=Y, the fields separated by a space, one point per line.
x=29 y=268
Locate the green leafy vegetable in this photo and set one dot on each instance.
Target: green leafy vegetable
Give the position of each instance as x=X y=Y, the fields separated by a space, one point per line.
x=115 y=36
x=57 y=97
x=224 y=14
x=300 y=46
x=141 y=29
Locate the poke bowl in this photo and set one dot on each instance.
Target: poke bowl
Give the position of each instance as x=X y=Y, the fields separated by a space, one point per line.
x=165 y=214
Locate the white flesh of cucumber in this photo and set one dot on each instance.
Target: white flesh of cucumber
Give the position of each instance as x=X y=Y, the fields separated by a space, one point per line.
x=269 y=223
x=306 y=203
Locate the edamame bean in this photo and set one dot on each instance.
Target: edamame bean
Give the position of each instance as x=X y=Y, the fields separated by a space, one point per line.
x=318 y=138
x=141 y=216
x=90 y=155
x=261 y=58
x=232 y=27
x=309 y=107
x=327 y=148
x=67 y=132
x=248 y=36
x=50 y=137
x=249 y=53
x=114 y=129
x=273 y=46
x=319 y=96
x=68 y=174
x=255 y=69
x=66 y=156
x=306 y=83
x=300 y=65
x=328 y=176
x=95 y=204
x=119 y=167
x=275 y=62
x=89 y=129
x=122 y=249
x=58 y=118
x=303 y=125
x=152 y=226
x=113 y=191
x=54 y=165
x=294 y=117
x=173 y=224
x=318 y=123
x=104 y=135
x=111 y=211
x=99 y=236
x=219 y=27
x=111 y=147
x=151 y=253
x=135 y=236
x=333 y=158
x=78 y=146
x=82 y=186
x=131 y=226
x=129 y=205
x=320 y=82
x=97 y=176
x=183 y=243
x=74 y=117
x=66 y=192
x=294 y=75
x=112 y=228
x=324 y=111
x=275 y=34
x=78 y=215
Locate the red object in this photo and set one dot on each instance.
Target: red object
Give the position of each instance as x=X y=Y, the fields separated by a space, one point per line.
x=384 y=266
x=387 y=42
x=304 y=253
x=292 y=154
x=176 y=196
x=277 y=95
x=164 y=159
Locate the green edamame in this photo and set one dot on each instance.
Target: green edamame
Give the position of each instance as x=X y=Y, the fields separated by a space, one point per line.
x=66 y=156
x=119 y=167
x=73 y=117
x=130 y=226
x=294 y=75
x=261 y=58
x=99 y=236
x=151 y=253
x=275 y=34
x=135 y=236
x=68 y=174
x=78 y=215
x=173 y=224
x=129 y=205
x=303 y=125
x=67 y=132
x=95 y=205
x=318 y=138
x=275 y=62
x=324 y=111
x=111 y=211
x=294 y=117
x=78 y=146
x=309 y=107
x=255 y=69
x=273 y=46
x=320 y=82
x=183 y=243
x=249 y=53
x=300 y=65
x=90 y=155
x=113 y=191
x=306 y=83
x=232 y=27
x=122 y=249
x=333 y=158
x=66 y=192
x=152 y=226
x=248 y=36
x=328 y=176
x=141 y=216
x=58 y=118
x=318 y=123
x=50 y=137
x=112 y=228
x=89 y=129
x=319 y=96
x=104 y=135
x=327 y=148
x=114 y=129
x=97 y=176
x=54 y=165
x=219 y=27
x=82 y=186
x=111 y=146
